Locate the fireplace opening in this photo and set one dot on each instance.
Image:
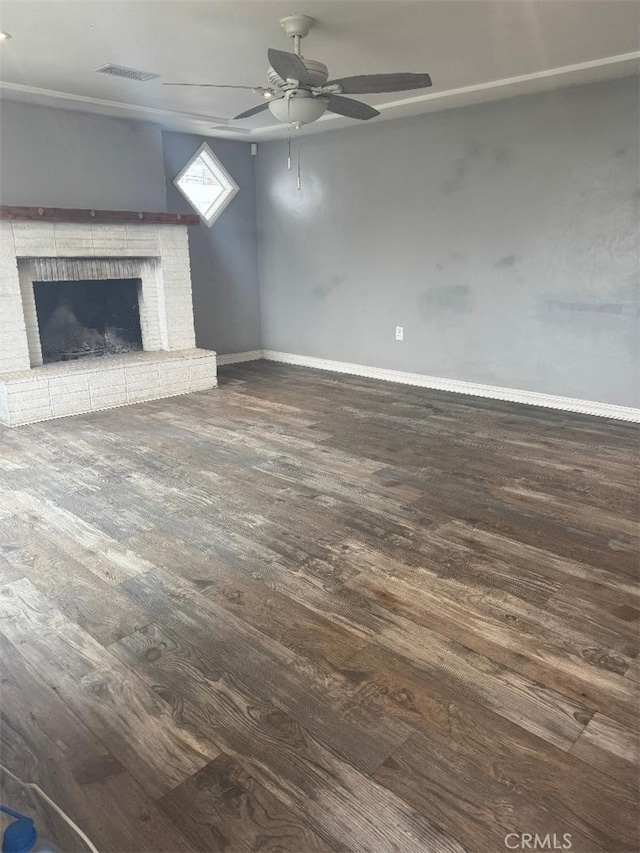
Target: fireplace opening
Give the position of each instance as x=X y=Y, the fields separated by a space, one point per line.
x=78 y=319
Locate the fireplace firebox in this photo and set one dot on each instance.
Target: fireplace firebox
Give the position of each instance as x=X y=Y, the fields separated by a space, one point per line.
x=79 y=319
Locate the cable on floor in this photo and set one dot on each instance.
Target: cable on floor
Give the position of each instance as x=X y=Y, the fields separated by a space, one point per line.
x=54 y=806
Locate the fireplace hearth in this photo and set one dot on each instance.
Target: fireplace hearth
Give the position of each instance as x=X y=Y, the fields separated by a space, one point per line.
x=80 y=319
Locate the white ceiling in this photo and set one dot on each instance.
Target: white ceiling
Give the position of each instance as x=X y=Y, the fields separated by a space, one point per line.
x=474 y=50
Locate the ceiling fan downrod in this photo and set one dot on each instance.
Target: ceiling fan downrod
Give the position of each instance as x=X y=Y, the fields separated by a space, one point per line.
x=297 y=27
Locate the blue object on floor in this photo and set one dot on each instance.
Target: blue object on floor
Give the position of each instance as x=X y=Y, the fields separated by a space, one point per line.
x=21 y=836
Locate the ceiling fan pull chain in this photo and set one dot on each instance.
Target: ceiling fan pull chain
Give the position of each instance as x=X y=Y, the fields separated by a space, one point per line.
x=288 y=136
x=299 y=173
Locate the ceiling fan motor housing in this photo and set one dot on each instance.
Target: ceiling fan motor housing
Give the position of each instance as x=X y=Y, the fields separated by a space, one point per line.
x=318 y=72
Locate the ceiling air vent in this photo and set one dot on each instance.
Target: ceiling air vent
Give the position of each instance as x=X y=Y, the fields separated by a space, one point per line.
x=127 y=73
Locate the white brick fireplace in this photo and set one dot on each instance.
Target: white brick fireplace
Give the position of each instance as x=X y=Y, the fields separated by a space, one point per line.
x=156 y=254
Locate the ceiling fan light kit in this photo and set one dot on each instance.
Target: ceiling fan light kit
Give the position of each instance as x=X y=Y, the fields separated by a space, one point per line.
x=298 y=107
x=300 y=91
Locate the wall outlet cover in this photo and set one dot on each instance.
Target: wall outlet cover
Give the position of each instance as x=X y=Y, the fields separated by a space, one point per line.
x=399 y=333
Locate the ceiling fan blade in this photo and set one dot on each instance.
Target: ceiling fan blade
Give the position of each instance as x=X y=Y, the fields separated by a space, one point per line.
x=255 y=110
x=367 y=84
x=350 y=108
x=218 y=86
x=289 y=66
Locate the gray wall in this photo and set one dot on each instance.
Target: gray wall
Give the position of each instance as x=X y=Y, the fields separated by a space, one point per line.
x=224 y=265
x=502 y=237
x=60 y=158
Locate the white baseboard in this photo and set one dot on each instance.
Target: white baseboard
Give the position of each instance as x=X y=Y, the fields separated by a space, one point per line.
x=494 y=392
x=235 y=357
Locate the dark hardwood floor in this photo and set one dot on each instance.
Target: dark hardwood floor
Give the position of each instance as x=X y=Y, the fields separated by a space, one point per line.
x=310 y=612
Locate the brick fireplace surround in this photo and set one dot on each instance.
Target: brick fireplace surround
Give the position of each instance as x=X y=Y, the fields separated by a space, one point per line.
x=152 y=247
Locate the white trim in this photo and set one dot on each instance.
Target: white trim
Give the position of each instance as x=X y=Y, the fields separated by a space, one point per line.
x=578 y=67
x=494 y=392
x=603 y=68
x=235 y=357
x=135 y=110
x=229 y=186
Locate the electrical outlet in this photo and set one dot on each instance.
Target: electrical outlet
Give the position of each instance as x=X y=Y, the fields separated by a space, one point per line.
x=399 y=333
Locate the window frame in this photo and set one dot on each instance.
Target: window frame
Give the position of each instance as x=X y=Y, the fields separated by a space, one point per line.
x=230 y=187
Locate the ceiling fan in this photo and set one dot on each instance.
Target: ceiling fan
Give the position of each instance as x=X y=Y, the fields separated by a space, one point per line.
x=300 y=91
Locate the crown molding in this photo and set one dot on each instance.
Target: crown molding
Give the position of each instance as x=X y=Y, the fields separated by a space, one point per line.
x=550 y=74
x=620 y=65
x=119 y=109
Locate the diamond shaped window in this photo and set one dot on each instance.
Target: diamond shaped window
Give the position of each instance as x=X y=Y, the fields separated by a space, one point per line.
x=206 y=184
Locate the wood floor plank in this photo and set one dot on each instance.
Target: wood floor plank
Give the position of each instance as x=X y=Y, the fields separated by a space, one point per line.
x=120 y=709
x=543 y=711
x=276 y=615
x=432 y=550
x=8 y=571
x=634 y=670
x=483 y=808
x=594 y=616
x=96 y=606
x=99 y=553
x=230 y=645
x=53 y=722
x=572 y=513
x=223 y=808
x=508 y=633
x=551 y=781
x=52 y=747
x=607 y=615
x=613 y=748
x=242 y=535
x=542 y=465
x=483 y=511
x=341 y=804
x=507 y=545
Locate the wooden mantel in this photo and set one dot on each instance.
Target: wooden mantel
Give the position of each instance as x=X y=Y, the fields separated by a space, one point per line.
x=65 y=214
